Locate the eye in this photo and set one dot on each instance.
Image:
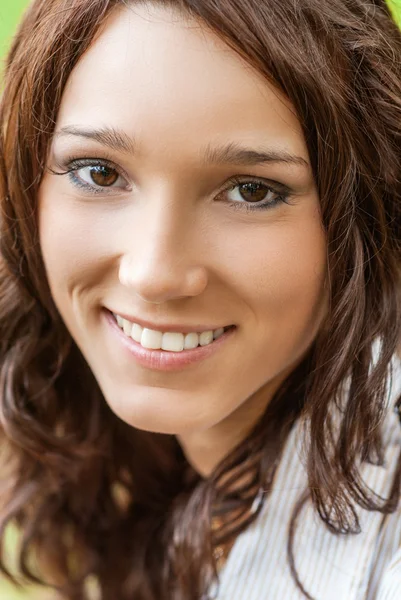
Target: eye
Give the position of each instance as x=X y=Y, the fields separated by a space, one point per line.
x=255 y=194
x=251 y=191
x=101 y=175
x=93 y=175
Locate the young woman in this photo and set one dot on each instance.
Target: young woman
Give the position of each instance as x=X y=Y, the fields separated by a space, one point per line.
x=199 y=308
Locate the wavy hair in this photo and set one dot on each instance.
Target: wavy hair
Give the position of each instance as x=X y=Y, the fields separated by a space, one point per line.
x=95 y=497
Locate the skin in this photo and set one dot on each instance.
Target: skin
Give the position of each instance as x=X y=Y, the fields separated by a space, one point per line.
x=164 y=243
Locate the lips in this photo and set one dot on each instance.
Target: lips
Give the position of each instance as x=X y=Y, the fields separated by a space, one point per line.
x=167 y=327
x=160 y=360
x=170 y=341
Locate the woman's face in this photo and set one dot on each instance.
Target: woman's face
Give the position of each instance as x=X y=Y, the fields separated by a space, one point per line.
x=190 y=206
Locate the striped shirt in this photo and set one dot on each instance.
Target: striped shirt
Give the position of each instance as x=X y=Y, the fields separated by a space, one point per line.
x=363 y=566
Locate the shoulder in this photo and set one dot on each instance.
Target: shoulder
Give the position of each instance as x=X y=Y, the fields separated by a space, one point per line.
x=385 y=582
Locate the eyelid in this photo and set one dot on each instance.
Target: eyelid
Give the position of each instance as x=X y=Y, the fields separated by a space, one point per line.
x=72 y=164
x=84 y=173
x=276 y=186
x=282 y=192
x=75 y=162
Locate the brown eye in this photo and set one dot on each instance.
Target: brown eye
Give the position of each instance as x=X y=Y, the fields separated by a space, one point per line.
x=253 y=191
x=255 y=194
x=103 y=176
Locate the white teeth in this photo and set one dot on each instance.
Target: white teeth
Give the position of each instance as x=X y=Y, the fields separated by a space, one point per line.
x=151 y=339
x=218 y=332
x=136 y=333
x=127 y=326
x=205 y=338
x=191 y=341
x=173 y=342
x=169 y=341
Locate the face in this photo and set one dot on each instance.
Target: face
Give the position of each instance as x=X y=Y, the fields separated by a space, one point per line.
x=180 y=194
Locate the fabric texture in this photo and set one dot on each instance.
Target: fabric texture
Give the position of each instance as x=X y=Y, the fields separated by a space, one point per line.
x=363 y=566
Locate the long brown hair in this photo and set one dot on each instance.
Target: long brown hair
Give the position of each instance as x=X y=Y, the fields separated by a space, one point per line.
x=93 y=496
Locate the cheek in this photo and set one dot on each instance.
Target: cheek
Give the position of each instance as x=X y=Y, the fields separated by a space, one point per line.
x=70 y=250
x=73 y=236
x=282 y=276
x=275 y=270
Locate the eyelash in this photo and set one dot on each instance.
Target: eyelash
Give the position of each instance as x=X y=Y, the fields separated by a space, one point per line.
x=281 y=191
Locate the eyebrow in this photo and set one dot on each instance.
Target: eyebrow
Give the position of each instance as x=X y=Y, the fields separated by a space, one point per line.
x=231 y=153
x=107 y=136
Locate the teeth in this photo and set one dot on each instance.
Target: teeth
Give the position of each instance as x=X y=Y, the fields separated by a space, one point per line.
x=136 y=332
x=173 y=342
x=206 y=338
x=127 y=326
x=169 y=341
x=151 y=339
x=191 y=341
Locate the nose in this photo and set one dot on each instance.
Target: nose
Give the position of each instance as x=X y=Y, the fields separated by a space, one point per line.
x=163 y=262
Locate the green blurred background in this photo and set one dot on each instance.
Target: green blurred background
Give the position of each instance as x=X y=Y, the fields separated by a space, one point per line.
x=10 y=13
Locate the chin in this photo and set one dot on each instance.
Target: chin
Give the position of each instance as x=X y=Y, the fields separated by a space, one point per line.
x=154 y=412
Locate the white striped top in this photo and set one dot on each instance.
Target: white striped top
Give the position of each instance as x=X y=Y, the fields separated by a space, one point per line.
x=365 y=566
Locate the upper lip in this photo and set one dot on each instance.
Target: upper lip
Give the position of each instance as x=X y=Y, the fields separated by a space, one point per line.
x=164 y=327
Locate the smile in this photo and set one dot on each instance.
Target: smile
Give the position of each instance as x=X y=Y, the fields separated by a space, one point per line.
x=156 y=358
x=169 y=341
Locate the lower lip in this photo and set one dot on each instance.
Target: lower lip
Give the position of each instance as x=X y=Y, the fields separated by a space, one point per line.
x=161 y=360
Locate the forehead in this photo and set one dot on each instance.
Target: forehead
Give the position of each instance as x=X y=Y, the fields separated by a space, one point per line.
x=152 y=71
